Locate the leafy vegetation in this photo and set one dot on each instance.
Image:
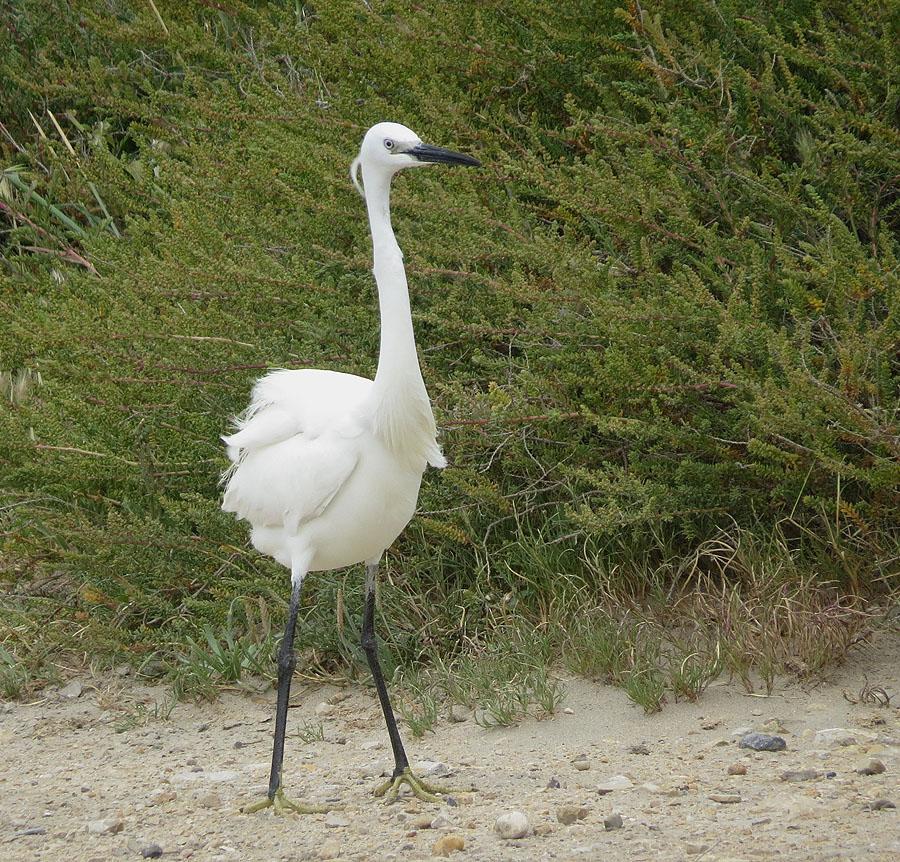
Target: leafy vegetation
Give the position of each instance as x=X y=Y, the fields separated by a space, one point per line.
x=660 y=327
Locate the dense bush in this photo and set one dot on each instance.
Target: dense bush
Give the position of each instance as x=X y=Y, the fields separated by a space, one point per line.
x=666 y=308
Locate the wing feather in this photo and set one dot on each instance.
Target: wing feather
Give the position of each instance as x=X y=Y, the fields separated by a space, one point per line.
x=295 y=447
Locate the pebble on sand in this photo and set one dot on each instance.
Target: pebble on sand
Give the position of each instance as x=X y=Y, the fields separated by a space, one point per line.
x=614 y=782
x=330 y=850
x=725 y=798
x=873 y=767
x=106 y=826
x=568 y=814
x=431 y=769
x=151 y=851
x=879 y=805
x=801 y=775
x=762 y=742
x=614 y=821
x=737 y=769
x=447 y=844
x=161 y=797
x=335 y=820
x=512 y=825
x=71 y=691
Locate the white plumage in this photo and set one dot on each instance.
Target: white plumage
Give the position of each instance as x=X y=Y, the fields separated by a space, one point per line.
x=326 y=466
x=321 y=472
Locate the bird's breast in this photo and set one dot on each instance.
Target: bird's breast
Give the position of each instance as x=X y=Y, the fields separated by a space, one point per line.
x=374 y=506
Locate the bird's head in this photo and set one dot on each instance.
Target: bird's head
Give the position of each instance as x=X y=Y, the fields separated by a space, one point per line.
x=390 y=147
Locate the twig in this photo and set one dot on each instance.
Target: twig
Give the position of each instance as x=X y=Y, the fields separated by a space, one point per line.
x=69 y=254
x=75 y=450
x=511 y=420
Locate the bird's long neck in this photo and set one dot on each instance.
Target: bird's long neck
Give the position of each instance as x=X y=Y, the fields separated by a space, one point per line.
x=398 y=363
x=401 y=409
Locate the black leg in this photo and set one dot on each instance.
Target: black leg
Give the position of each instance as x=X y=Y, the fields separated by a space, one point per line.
x=287 y=661
x=370 y=645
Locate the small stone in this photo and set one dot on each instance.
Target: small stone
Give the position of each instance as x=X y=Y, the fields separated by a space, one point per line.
x=614 y=821
x=459 y=713
x=737 y=769
x=725 y=798
x=106 y=826
x=372 y=770
x=431 y=769
x=568 y=814
x=879 y=805
x=614 y=782
x=873 y=767
x=71 y=691
x=442 y=821
x=335 y=820
x=447 y=844
x=801 y=775
x=839 y=736
x=330 y=849
x=762 y=742
x=568 y=710
x=161 y=797
x=324 y=709
x=512 y=825
x=581 y=763
x=650 y=787
x=423 y=821
x=151 y=851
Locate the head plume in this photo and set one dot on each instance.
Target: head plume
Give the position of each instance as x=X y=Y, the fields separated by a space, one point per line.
x=356 y=175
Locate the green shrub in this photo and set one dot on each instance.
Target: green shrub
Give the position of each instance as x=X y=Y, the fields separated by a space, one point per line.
x=666 y=307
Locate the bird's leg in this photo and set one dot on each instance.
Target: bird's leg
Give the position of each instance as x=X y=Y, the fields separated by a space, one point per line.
x=402 y=773
x=287 y=662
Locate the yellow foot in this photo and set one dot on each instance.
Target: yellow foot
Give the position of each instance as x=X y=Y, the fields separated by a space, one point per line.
x=280 y=804
x=420 y=789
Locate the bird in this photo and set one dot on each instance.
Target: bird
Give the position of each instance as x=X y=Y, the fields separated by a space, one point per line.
x=326 y=466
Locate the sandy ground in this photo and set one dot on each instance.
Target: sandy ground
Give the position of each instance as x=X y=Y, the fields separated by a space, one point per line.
x=67 y=762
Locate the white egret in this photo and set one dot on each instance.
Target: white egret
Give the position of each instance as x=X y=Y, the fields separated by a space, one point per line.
x=326 y=466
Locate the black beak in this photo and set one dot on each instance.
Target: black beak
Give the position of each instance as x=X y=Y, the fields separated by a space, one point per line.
x=428 y=153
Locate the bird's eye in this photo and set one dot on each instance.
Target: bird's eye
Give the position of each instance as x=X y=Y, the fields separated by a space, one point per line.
x=388 y=144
